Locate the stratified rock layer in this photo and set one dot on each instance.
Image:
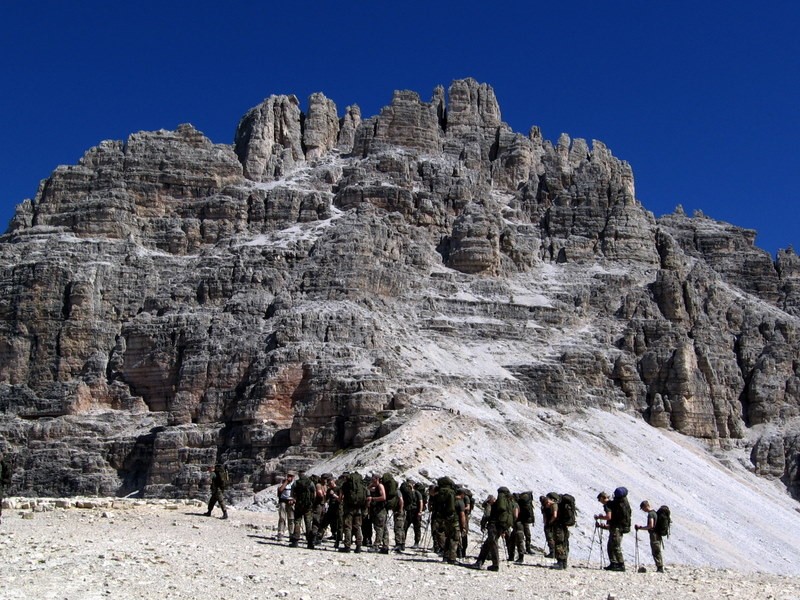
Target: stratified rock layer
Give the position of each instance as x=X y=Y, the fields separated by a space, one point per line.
x=169 y=302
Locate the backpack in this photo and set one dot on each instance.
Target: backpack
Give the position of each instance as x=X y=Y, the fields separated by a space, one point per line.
x=303 y=492
x=525 y=501
x=567 y=511
x=409 y=497
x=504 y=511
x=621 y=514
x=663 y=521
x=390 y=487
x=355 y=491
x=445 y=502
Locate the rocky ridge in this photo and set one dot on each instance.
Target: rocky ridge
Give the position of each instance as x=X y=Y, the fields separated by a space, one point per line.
x=169 y=302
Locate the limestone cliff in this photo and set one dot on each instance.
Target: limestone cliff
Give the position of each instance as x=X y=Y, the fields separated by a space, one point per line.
x=169 y=302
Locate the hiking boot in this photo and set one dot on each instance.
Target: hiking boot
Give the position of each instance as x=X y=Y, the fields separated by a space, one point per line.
x=660 y=570
x=293 y=544
x=620 y=567
x=611 y=567
x=224 y=515
x=478 y=564
x=494 y=568
x=384 y=550
x=358 y=550
x=345 y=549
x=560 y=565
x=519 y=560
x=549 y=555
x=398 y=549
x=207 y=514
x=450 y=561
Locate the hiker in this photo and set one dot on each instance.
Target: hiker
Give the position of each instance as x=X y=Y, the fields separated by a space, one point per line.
x=525 y=519
x=617 y=517
x=562 y=516
x=376 y=501
x=333 y=511
x=498 y=522
x=285 y=505
x=469 y=504
x=395 y=504
x=656 y=541
x=5 y=479
x=547 y=518
x=354 y=501
x=219 y=483
x=445 y=505
x=303 y=494
x=413 y=504
x=318 y=505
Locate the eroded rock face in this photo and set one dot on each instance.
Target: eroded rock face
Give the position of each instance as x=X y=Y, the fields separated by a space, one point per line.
x=170 y=302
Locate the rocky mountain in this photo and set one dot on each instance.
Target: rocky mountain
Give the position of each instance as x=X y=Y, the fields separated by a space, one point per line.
x=169 y=302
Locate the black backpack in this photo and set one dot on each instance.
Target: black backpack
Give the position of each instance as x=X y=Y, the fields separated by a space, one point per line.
x=525 y=501
x=621 y=514
x=567 y=511
x=445 y=502
x=409 y=497
x=663 y=521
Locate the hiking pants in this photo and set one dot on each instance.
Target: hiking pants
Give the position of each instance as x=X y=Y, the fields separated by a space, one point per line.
x=381 y=537
x=399 y=517
x=285 y=518
x=305 y=519
x=656 y=544
x=561 y=539
x=517 y=541
x=489 y=548
x=615 y=545
x=217 y=497
x=413 y=519
x=352 y=526
x=550 y=539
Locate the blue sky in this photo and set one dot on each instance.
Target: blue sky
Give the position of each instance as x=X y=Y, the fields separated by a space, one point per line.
x=701 y=98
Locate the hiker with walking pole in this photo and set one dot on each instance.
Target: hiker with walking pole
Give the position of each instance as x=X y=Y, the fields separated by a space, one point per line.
x=657 y=523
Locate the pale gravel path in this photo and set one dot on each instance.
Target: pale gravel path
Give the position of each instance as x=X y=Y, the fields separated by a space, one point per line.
x=160 y=551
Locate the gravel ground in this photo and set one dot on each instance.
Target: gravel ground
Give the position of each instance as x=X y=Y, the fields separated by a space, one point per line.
x=160 y=549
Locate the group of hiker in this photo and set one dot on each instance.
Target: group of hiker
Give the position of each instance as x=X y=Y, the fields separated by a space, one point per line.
x=359 y=511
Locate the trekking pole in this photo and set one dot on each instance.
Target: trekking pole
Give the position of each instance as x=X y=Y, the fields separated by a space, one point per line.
x=591 y=547
x=636 y=555
x=602 y=559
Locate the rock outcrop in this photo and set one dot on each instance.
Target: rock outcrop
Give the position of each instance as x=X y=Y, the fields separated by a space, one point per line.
x=169 y=302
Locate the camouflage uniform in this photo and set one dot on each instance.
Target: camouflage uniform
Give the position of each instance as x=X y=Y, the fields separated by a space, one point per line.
x=351 y=516
x=218 y=485
x=547 y=515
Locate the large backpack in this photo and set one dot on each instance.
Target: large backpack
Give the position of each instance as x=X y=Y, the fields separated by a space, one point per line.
x=390 y=487
x=525 y=501
x=567 y=511
x=303 y=492
x=409 y=497
x=445 y=498
x=663 y=521
x=355 y=491
x=621 y=514
x=503 y=511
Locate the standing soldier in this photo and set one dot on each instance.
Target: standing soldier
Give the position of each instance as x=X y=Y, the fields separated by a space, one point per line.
x=547 y=518
x=655 y=538
x=376 y=501
x=219 y=483
x=354 y=500
x=618 y=522
x=285 y=505
x=562 y=518
x=412 y=504
x=499 y=521
x=303 y=493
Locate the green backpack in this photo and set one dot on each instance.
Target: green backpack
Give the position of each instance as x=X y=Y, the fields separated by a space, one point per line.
x=303 y=492
x=504 y=511
x=390 y=487
x=355 y=491
x=409 y=497
x=445 y=497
